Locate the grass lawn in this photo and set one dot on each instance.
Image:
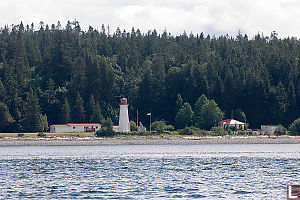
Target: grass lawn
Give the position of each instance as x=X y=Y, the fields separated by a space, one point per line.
x=84 y=134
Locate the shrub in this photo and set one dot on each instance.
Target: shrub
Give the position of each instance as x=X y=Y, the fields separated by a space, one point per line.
x=233 y=128
x=188 y=131
x=20 y=134
x=192 y=131
x=170 y=128
x=159 y=126
x=280 y=130
x=217 y=130
x=106 y=129
x=104 y=132
x=41 y=134
x=295 y=127
x=133 y=126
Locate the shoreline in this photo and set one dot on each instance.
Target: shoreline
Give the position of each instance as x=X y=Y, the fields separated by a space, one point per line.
x=153 y=140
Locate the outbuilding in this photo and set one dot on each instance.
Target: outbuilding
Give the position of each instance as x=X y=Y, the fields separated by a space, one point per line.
x=268 y=127
x=226 y=123
x=74 y=128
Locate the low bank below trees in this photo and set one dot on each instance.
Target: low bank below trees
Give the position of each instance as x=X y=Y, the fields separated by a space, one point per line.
x=148 y=141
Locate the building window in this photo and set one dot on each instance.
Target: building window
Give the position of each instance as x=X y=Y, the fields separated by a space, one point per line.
x=74 y=127
x=96 y=126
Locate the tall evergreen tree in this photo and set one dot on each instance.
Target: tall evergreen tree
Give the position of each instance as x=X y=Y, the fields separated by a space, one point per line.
x=78 y=110
x=179 y=103
x=184 y=117
x=240 y=115
x=5 y=117
x=65 y=112
x=199 y=105
x=33 y=120
x=96 y=114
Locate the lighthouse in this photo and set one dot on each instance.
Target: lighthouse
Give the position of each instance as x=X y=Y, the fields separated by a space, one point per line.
x=124 y=125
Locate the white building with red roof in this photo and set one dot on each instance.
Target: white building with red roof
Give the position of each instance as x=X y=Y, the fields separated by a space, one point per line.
x=226 y=123
x=74 y=128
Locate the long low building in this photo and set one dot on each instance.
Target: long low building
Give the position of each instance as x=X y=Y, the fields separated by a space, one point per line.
x=74 y=128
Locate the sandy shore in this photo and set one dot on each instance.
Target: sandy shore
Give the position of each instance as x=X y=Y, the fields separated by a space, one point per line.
x=61 y=141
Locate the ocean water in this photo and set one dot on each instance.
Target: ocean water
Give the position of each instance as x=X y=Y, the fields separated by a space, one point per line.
x=222 y=171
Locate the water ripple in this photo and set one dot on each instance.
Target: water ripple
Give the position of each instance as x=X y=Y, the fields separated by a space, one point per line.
x=149 y=172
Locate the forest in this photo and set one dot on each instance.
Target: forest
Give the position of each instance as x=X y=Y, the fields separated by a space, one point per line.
x=51 y=74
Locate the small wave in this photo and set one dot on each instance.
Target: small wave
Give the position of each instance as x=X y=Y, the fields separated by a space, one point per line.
x=241 y=192
x=207 y=168
x=91 y=191
x=196 y=196
x=226 y=164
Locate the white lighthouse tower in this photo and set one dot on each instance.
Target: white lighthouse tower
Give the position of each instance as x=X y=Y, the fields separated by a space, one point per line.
x=124 y=125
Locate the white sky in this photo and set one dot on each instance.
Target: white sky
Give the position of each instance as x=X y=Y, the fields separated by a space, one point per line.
x=214 y=17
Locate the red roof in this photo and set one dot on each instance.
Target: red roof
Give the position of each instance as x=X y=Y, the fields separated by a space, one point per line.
x=225 y=121
x=84 y=124
x=231 y=122
x=76 y=124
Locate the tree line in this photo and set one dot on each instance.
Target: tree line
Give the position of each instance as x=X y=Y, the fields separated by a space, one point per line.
x=52 y=74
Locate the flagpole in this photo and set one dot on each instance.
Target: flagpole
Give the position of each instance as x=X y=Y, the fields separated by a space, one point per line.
x=150 y=122
x=137 y=117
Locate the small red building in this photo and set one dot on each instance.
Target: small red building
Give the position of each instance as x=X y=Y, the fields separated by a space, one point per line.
x=268 y=127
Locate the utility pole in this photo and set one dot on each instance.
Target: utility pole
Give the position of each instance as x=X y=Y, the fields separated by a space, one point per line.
x=137 y=117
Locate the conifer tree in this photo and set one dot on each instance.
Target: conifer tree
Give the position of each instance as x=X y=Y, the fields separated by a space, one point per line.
x=184 y=117
x=179 y=103
x=90 y=108
x=96 y=116
x=33 y=119
x=240 y=115
x=199 y=105
x=65 y=112
x=5 y=117
x=78 y=110
x=2 y=91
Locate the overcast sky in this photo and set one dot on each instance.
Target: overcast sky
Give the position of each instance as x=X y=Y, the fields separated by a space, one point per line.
x=214 y=17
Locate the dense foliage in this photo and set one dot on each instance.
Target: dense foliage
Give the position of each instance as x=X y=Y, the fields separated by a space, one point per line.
x=294 y=128
x=61 y=75
x=106 y=129
x=280 y=130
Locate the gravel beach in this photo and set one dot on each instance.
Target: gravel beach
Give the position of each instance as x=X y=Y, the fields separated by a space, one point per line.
x=83 y=141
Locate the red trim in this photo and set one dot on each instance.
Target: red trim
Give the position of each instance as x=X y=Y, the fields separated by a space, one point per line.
x=84 y=124
x=123 y=101
x=225 y=121
x=76 y=124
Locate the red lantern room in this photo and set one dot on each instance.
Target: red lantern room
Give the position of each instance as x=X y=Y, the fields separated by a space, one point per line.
x=123 y=101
